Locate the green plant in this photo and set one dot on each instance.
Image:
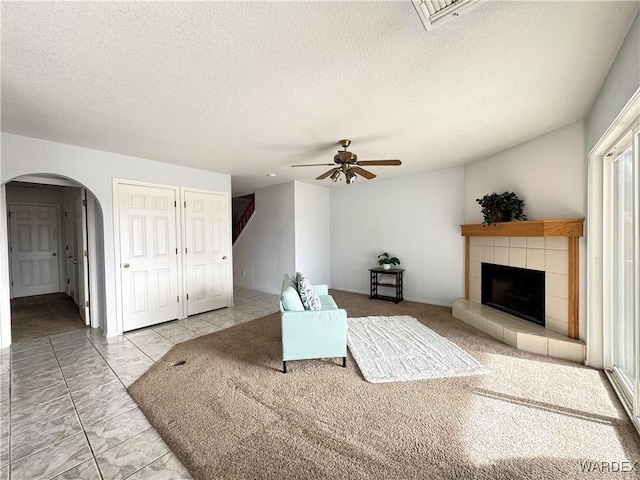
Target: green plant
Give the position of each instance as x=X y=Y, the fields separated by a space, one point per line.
x=384 y=258
x=501 y=207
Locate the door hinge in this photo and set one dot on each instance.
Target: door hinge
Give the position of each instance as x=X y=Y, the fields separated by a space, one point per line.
x=12 y=283
x=66 y=247
x=178 y=299
x=176 y=251
x=185 y=204
x=86 y=304
x=10 y=248
x=186 y=250
x=187 y=296
x=68 y=281
x=84 y=202
x=65 y=214
x=175 y=204
x=85 y=253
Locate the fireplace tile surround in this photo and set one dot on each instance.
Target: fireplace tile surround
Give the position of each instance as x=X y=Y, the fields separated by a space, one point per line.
x=545 y=245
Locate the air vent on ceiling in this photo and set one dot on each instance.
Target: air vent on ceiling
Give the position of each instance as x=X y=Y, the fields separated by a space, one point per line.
x=433 y=13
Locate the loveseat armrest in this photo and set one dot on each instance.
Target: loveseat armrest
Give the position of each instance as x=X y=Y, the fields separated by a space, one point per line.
x=314 y=334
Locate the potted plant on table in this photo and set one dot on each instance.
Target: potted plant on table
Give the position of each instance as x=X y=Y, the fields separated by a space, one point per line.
x=501 y=207
x=386 y=261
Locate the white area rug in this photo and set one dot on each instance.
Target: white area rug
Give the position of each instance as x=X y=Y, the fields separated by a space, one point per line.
x=399 y=348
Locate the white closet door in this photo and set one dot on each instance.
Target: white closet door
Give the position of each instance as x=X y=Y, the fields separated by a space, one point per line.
x=34 y=249
x=148 y=255
x=207 y=251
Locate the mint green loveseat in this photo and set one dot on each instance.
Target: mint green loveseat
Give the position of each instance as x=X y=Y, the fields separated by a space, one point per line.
x=310 y=334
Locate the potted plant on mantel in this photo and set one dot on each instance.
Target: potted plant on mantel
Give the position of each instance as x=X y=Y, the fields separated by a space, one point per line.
x=501 y=207
x=386 y=261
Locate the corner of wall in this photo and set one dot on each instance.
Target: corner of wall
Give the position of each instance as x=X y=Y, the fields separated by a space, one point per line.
x=5 y=301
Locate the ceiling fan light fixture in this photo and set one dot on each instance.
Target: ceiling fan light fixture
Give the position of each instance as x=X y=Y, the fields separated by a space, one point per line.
x=351 y=176
x=335 y=175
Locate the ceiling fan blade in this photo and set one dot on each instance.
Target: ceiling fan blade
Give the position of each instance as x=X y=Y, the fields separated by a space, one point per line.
x=363 y=173
x=326 y=174
x=315 y=165
x=379 y=162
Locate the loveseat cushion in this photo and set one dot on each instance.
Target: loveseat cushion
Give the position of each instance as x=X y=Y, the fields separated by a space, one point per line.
x=328 y=303
x=289 y=281
x=308 y=295
x=291 y=299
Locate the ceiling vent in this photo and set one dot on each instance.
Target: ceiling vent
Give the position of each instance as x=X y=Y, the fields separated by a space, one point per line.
x=434 y=13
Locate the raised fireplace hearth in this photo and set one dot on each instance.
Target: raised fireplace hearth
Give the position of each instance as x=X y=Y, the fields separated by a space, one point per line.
x=517 y=291
x=538 y=316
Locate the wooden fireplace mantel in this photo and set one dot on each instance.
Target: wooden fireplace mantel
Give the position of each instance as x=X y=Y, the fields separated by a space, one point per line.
x=560 y=227
x=573 y=228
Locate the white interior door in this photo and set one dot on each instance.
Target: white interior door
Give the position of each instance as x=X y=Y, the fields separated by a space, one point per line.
x=70 y=249
x=148 y=255
x=34 y=249
x=82 y=257
x=207 y=251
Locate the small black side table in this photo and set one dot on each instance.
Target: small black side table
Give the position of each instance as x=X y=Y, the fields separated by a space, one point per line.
x=375 y=283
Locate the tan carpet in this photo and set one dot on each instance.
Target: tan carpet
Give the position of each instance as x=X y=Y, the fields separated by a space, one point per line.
x=229 y=413
x=43 y=315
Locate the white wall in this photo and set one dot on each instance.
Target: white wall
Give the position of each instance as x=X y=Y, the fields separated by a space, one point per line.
x=312 y=227
x=5 y=304
x=95 y=170
x=416 y=219
x=95 y=236
x=618 y=87
x=266 y=249
x=19 y=193
x=546 y=172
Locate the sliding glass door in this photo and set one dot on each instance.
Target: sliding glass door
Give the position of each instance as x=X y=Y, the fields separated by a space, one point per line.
x=622 y=254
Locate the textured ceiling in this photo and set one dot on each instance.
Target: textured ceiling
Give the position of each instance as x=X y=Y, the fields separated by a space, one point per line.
x=250 y=88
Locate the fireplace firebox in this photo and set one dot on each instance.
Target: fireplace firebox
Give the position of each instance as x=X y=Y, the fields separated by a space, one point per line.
x=517 y=291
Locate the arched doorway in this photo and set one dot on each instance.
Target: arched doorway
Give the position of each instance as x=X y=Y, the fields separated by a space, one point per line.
x=55 y=261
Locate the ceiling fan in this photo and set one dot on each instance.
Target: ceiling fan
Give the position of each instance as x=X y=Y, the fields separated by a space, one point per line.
x=349 y=165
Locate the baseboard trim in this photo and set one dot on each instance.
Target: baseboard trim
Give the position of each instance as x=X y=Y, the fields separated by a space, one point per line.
x=409 y=299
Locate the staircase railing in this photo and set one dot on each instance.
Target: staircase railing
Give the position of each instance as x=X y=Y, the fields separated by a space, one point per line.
x=244 y=218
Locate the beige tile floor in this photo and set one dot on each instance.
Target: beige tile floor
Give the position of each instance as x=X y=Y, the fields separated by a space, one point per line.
x=64 y=408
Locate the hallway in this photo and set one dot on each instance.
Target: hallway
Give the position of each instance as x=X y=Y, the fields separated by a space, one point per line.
x=43 y=315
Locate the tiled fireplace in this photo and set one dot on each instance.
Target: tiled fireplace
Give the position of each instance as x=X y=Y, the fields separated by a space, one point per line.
x=546 y=246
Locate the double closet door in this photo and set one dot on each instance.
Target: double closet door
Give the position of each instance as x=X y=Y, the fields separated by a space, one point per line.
x=173 y=253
